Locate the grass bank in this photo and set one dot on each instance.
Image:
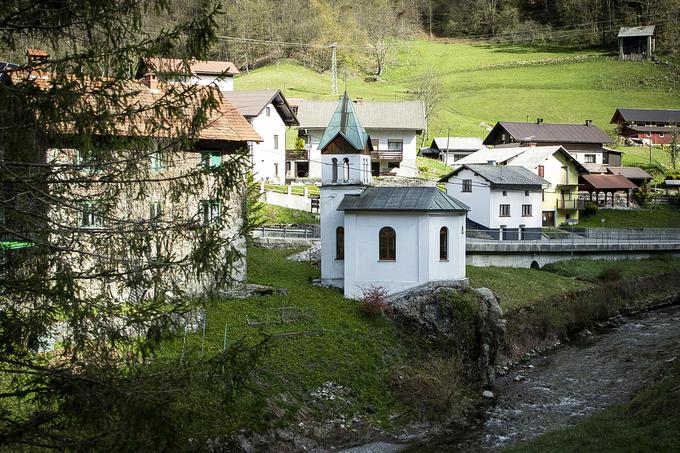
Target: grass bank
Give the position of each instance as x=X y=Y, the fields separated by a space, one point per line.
x=278 y=215
x=597 y=271
x=517 y=287
x=643 y=218
x=563 y=315
x=648 y=422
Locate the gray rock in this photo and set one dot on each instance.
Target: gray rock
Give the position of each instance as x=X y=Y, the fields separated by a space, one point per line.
x=486 y=394
x=249 y=289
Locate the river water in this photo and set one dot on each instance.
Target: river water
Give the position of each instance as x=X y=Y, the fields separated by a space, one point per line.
x=570 y=383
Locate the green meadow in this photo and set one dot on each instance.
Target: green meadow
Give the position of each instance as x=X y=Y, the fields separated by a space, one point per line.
x=482 y=83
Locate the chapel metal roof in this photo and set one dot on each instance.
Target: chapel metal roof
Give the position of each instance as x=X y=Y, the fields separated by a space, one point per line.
x=631 y=32
x=345 y=122
x=405 y=115
x=402 y=199
x=549 y=133
x=252 y=103
x=502 y=175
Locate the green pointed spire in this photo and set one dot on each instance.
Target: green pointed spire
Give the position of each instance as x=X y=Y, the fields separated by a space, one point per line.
x=346 y=123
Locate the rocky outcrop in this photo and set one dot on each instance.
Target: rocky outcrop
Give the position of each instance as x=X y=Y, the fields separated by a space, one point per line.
x=467 y=321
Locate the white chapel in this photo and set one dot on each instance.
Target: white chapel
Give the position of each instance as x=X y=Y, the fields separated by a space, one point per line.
x=394 y=237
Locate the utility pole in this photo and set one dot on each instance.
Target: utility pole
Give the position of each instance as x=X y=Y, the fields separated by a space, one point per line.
x=334 y=69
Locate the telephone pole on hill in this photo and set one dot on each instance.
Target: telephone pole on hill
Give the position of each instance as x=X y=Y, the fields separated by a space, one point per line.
x=334 y=69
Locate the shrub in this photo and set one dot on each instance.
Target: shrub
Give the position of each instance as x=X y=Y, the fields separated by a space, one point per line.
x=610 y=274
x=590 y=208
x=434 y=389
x=374 y=300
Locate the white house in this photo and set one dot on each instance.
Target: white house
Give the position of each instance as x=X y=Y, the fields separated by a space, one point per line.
x=393 y=127
x=271 y=115
x=393 y=237
x=452 y=149
x=505 y=200
x=218 y=73
x=552 y=163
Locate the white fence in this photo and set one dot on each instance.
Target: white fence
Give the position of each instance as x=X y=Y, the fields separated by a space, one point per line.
x=287 y=200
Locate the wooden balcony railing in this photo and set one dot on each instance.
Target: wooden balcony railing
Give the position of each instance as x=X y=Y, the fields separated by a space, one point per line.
x=570 y=204
x=390 y=155
x=297 y=154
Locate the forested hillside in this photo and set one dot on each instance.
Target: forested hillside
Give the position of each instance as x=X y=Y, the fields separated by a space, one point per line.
x=258 y=32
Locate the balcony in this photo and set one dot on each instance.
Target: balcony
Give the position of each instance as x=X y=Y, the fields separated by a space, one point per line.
x=570 y=204
x=388 y=155
x=297 y=154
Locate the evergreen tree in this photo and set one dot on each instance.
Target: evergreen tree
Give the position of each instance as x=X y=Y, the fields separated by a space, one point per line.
x=105 y=274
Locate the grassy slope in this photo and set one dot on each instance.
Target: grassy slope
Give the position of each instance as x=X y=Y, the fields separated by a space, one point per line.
x=355 y=351
x=649 y=422
x=473 y=93
x=278 y=215
x=590 y=269
x=656 y=218
x=431 y=168
x=520 y=287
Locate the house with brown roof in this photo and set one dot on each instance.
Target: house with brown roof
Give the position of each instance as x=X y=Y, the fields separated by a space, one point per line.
x=392 y=125
x=271 y=115
x=585 y=142
x=648 y=126
x=218 y=73
x=226 y=134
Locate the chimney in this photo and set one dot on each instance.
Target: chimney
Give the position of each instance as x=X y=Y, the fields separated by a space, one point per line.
x=539 y=120
x=589 y=122
x=150 y=80
x=491 y=162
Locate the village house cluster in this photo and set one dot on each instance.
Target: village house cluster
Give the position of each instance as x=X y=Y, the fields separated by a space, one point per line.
x=522 y=177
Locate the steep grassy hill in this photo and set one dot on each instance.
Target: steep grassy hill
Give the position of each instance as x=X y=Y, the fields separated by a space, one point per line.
x=483 y=83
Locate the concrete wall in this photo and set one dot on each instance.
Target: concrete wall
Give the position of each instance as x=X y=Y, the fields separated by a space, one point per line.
x=289 y=200
x=224 y=84
x=359 y=169
x=269 y=162
x=333 y=270
x=478 y=200
x=527 y=259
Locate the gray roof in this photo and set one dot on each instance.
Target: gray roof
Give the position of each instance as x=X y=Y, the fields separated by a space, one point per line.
x=502 y=175
x=457 y=143
x=346 y=123
x=548 y=133
x=252 y=103
x=630 y=172
x=408 y=115
x=648 y=115
x=630 y=32
x=672 y=182
x=409 y=199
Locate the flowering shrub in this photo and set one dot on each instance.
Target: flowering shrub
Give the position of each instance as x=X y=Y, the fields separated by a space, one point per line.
x=373 y=300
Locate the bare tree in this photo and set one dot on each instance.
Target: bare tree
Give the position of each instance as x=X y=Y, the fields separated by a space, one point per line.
x=428 y=89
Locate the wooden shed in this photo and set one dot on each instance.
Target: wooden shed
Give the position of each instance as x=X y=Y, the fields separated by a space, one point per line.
x=637 y=43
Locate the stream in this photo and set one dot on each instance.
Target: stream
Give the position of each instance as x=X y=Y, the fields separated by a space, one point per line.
x=568 y=384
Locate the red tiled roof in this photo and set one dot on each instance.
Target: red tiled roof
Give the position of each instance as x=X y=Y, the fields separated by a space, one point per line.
x=224 y=122
x=195 y=67
x=608 y=182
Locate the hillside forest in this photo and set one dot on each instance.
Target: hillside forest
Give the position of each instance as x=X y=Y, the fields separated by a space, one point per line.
x=258 y=32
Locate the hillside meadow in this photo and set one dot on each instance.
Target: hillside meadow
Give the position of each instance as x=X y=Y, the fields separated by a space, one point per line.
x=482 y=83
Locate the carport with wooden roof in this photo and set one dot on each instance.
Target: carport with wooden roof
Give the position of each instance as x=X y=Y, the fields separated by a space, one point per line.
x=607 y=184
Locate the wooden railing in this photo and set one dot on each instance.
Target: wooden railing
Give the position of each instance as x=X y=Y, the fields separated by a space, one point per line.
x=297 y=154
x=391 y=155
